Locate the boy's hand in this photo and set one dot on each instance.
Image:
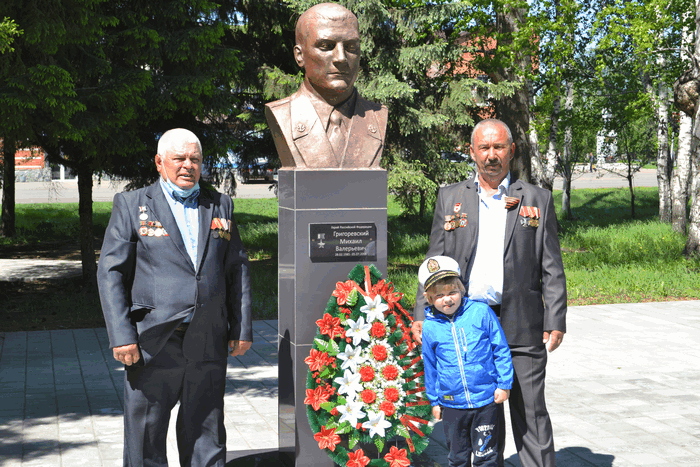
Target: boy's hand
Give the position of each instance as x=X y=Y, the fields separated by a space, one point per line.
x=437 y=412
x=417 y=331
x=501 y=395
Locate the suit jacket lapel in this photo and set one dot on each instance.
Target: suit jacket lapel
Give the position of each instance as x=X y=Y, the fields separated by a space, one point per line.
x=206 y=210
x=471 y=200
x=514 y=190
x=161 y=212
x=309 y=135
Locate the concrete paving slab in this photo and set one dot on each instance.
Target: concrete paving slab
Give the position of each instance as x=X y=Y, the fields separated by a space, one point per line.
x=620 y=392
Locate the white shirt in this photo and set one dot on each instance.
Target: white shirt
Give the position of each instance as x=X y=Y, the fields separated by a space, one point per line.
x=486 y=278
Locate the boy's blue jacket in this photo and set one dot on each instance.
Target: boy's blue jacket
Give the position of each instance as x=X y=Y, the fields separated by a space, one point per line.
x=466 y=356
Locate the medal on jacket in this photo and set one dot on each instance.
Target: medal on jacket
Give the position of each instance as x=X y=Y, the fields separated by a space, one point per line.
x=456 y=220
x=144 y=213
x=530 y=216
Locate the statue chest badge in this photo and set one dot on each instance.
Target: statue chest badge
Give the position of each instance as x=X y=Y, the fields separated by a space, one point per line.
x=529 y=216
x=456 y=220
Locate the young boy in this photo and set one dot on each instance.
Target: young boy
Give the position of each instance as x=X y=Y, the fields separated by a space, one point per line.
x=468 y=369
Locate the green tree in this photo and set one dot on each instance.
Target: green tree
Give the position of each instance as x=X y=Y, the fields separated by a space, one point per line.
x=647 y=36
x=8 y=31
x=35 y=93
x=128 y=70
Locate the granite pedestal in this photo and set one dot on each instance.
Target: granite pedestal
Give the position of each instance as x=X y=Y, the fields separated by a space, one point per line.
x=313 y=201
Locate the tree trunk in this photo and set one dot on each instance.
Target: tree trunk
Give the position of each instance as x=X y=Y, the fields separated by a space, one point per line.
x=7 y=227
x=87 y=242
x=515 y=110
x=567 y=162
x=566 y=199
x=630 y=177
x=692 y=246
x=681 y=175
x=538 y=170
x=664 y=166
x=551 y=155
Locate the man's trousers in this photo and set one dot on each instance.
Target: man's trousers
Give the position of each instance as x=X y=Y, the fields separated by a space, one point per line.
x=153 y=390
x=532 y=428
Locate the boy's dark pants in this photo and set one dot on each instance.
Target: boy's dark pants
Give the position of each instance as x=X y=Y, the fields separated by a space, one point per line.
x=472 y=431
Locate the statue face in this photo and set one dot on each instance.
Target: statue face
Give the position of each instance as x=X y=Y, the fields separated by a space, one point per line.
x=329 y=52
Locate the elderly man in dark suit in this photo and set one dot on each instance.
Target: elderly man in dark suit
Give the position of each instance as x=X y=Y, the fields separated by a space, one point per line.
x=503 y=233
x=326 y=123
x=174 y=286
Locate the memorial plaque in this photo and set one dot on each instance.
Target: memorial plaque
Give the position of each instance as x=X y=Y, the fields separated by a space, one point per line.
x=339 y=242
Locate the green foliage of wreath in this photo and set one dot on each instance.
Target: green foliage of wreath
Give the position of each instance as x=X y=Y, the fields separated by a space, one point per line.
x=365 y=393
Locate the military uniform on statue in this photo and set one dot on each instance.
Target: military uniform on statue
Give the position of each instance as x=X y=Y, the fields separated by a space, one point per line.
x=309 y=132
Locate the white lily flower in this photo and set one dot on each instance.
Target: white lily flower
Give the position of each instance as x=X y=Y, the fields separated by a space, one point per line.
x=352 y=412
x=376 y=423
x=358 y=330
x=374 y=308
x=351 y=358
x=349 y=383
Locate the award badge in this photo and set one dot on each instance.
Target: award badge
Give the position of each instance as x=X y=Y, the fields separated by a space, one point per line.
x=221 y=228
x=530 y=216
x=456 y=220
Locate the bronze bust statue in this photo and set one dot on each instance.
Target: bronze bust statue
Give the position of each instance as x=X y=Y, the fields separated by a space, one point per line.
x=326 y=123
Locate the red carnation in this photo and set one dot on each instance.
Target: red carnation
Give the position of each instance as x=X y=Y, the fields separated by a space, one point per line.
x=326 y=438
x=368 y=396
x=390 y=372
x=334 y=411
x=379 y=353
x=378 y=330
x=388 y=408
x=391 y=394
x=367 y=373
x=357 y=459
x=329 y=325
x=397 y=457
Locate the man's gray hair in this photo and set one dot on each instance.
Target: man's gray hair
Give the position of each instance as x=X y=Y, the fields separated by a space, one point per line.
x=175 y=140
x=492 y=121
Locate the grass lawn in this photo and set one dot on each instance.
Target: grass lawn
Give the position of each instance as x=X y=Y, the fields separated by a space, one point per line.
x=608 y=257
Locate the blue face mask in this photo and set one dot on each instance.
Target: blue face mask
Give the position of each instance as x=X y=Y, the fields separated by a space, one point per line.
x=178 y=193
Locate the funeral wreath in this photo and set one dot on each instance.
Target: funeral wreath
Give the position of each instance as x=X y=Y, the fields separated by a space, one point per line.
x=365 y=395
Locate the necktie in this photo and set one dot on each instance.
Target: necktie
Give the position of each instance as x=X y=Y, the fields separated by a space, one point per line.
x=335 y=132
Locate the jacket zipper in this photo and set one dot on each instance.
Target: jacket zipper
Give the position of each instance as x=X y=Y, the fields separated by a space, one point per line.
x=460 y=349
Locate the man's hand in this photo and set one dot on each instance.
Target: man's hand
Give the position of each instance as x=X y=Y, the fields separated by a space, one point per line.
x=552 y=339
x=127 y=354
x=237 y=348
x=501 y=395
x=417 y=331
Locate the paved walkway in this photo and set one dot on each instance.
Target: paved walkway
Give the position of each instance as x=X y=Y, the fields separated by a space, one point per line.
x=622 y=392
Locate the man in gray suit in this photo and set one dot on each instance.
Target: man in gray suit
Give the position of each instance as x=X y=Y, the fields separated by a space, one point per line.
x=175 y=293
x=503 y=233
x=326 y=123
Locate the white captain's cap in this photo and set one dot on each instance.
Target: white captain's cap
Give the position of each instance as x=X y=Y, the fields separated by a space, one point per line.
x=435 y=268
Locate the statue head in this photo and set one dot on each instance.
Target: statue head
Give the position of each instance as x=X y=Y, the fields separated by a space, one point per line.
x=328 y=49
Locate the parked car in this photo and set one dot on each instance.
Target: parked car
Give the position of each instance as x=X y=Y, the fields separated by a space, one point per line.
x=260 y=169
